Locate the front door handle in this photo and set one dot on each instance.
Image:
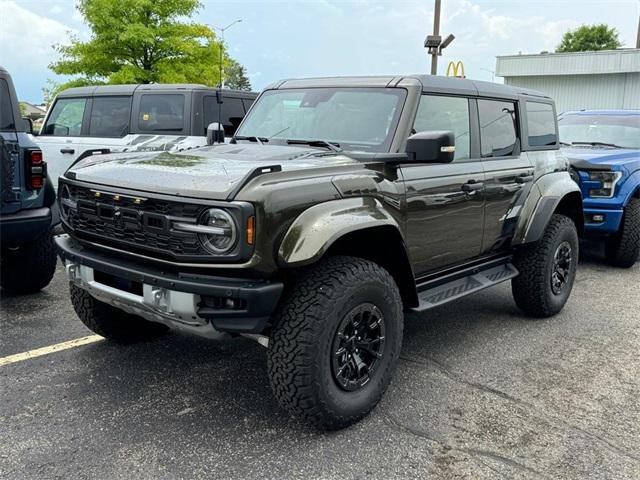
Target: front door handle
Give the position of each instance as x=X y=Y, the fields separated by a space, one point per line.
x=67 y=150
x=472 y=186
x=524 y=178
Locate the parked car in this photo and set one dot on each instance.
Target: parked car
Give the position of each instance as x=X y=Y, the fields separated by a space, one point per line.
x=136 y=117
x=604 y=149
x=338 y=204
x=27 y=202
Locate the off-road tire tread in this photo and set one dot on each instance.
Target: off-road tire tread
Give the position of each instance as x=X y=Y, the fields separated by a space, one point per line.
x=111 y=323
x=529 y=287
x=623 y=249
x=31 y=267
x=300 y=316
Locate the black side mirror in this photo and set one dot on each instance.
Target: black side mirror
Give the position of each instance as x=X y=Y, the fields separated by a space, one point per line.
x=431 y=147
x=27 y=124
x=215 y=133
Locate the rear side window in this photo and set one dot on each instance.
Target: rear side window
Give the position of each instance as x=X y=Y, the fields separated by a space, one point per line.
x=541 y=124
x=445 y=113
x=7 y=121
x=110 y=117
x=498 y=133
x=232 y=113
x=161 y=113
x=66 y=118
x=247 y=102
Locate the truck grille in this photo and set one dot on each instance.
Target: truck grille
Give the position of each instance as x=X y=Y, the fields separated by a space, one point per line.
x=141 y=225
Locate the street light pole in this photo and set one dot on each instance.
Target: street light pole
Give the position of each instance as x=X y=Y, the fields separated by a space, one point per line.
x=434 y=42
x=436 y=33
x=222 y=30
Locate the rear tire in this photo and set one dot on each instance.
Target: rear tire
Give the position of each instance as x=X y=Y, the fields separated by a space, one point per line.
x=343 y=304
x=111 y=323
x=30 y=267
x=623 y=249
x=547 y=269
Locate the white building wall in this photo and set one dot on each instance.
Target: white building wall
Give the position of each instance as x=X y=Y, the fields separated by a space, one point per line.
x=575 y=92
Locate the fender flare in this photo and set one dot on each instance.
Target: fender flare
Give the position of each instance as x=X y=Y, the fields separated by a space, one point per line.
x=546 y=196
x=317 y=228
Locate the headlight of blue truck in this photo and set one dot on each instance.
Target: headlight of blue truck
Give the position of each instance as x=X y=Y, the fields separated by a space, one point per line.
x=607 y=180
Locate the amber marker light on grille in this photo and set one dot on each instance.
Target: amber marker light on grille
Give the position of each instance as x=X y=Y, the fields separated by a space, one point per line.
x=251 y=230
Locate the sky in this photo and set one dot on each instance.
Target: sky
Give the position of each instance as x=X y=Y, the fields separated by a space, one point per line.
x=280 y=39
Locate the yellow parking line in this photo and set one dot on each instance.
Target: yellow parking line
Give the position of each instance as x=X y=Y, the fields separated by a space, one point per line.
x=39 y=352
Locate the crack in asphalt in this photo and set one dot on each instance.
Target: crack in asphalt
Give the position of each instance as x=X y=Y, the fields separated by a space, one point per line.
x=396 y=424
x=424 y=361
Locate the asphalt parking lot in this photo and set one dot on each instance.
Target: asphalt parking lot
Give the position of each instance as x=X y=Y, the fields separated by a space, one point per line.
x=480 y=392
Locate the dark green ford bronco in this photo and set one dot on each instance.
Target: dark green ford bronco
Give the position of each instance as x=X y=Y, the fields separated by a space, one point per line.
x=339 y=204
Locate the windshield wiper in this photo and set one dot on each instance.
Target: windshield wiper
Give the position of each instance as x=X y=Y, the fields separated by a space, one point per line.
x=597 y=144
x=251 y=138
x=334 y=147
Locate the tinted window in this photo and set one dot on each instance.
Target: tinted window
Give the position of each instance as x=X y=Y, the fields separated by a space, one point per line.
x=498 y=136
x=445 y=113
x=247 y=102
x=541 y=124
x=161 y=112
x=231 y=113
x=6 y=109
x=66 y=118
x=110 y=117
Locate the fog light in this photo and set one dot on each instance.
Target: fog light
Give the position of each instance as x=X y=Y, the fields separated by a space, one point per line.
x=598 y=218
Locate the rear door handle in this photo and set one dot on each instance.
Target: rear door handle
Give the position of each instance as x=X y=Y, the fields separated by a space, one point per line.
x=524 y=178
x=472 y=186
x=67 y=150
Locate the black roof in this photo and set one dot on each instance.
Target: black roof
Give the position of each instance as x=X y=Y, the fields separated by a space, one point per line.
x=155 y=87
x=430 y=83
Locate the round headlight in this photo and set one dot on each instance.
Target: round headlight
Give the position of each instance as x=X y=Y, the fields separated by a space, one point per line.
x=224 y=232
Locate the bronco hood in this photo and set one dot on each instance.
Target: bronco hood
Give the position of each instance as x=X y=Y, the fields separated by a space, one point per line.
x=209 y=172
x=594 y=158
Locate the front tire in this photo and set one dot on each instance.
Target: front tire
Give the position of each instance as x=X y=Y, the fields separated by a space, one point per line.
x=30 y=267
x=623 y=249
x=110 y=322
x=336 y=341
x=547 y=269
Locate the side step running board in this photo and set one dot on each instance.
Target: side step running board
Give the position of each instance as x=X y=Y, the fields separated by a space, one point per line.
x=461 y=287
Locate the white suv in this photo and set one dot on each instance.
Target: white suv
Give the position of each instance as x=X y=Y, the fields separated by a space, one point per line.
x=135 y=118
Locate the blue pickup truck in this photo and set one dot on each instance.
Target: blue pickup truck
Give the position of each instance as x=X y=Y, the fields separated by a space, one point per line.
x=604 y=149
x=27 y=202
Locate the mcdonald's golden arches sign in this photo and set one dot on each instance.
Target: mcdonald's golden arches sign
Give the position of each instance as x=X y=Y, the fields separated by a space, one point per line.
x=456 y=69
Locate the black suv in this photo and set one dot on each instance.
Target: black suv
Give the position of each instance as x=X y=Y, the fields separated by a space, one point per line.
x=27 y=252
x=338 y=204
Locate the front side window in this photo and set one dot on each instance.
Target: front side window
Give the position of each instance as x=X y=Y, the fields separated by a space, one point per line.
x=110 y=117
x=448 y=114
x=7 y=121
x=230 y=111
x=360 y=119
x=161 y=113
x=541 y=124
x=498 y=137
x=604 y=129
x=66 y=118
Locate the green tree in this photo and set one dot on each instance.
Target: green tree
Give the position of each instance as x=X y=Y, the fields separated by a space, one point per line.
x=588 y=38
x=140 y=41
x=235 y=76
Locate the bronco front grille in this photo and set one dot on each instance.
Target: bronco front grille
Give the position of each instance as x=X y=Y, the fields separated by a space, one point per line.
x=140 y=224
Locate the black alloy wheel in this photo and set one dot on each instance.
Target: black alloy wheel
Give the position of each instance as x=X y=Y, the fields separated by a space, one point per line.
x=561 y=269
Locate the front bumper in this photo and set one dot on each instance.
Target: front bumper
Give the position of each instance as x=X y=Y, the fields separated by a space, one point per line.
x=25 y=225
x=610 y=223
x=200 y=304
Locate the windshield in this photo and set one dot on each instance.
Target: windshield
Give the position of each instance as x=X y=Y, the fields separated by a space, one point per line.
x=362 y=119
x=621 y=130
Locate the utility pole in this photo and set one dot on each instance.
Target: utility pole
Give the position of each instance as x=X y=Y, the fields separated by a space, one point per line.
x=434 y=42
x=638 y=40
x=222 y=30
